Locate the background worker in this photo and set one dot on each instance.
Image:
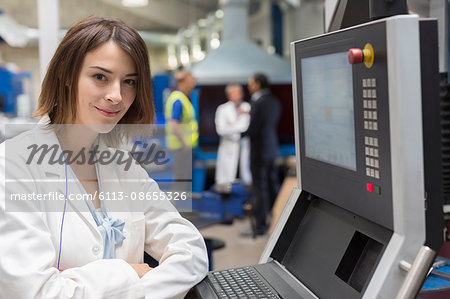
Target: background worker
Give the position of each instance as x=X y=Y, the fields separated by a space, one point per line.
x=233 y=118
x=264 y=117
x=181 y=129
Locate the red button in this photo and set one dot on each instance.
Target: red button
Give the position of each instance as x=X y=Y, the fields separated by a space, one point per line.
x=369 y=187
x=355 y=56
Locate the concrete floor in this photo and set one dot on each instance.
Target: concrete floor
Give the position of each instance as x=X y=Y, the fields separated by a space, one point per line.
x=238 y=251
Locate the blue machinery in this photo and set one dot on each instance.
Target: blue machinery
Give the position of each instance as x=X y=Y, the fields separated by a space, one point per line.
x=11 y=87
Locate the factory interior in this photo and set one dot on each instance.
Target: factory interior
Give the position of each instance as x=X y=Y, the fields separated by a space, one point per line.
x=356 y=199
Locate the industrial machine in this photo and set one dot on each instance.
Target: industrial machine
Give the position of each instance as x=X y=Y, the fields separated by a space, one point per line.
x=361 y=223
x=14 y=96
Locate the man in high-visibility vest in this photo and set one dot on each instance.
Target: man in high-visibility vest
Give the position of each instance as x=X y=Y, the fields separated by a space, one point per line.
x=181 y=129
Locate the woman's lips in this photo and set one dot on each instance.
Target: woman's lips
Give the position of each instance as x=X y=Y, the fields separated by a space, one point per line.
x=107 y=113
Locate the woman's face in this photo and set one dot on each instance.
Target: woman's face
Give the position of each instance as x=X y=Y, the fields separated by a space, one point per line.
x=106 y=86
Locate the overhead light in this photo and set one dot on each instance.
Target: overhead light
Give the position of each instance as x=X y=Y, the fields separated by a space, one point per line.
x=219 y=14
x=184 y=55
x=197 y=52
x=172 y=60
x=214 y=43
x=134 y=3
x=202 y=22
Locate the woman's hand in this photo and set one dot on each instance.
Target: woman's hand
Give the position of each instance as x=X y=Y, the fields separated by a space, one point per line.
x=141 y=269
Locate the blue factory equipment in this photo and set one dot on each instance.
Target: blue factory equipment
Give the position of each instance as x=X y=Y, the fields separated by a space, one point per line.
x=12 y=86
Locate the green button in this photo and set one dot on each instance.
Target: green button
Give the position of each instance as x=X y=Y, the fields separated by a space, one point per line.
x=377 y=189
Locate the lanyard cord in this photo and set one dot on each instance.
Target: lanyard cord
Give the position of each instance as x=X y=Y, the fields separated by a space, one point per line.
x=64 y=213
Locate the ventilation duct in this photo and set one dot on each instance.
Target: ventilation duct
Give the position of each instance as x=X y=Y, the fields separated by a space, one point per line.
x=237 y=58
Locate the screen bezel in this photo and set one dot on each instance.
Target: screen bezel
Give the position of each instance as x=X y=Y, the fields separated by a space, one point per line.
x=344 y=187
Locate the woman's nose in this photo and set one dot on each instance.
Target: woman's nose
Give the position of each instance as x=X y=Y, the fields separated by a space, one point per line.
x=114 y=94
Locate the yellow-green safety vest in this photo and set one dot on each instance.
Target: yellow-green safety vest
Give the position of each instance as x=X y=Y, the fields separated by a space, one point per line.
x=188 y=124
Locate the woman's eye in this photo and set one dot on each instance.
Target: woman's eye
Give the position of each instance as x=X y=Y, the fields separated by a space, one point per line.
x=130 y=82
x=99 y=77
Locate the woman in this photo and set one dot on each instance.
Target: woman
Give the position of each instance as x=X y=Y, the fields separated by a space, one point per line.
x=98 y=81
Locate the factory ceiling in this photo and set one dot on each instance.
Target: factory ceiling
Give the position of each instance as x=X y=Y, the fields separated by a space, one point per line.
x=159 y=15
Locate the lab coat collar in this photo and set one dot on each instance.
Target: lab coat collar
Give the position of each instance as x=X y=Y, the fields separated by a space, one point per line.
x=46 y=136
x=107 y=172
x=56 y=173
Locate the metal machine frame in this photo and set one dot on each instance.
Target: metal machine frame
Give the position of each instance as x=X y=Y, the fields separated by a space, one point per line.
x=315 y=232
x=406 y=243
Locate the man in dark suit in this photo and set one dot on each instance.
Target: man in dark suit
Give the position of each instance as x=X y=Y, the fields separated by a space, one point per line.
x=264 y=116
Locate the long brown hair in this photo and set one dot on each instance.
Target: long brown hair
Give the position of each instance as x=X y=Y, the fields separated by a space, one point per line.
x=58 y=94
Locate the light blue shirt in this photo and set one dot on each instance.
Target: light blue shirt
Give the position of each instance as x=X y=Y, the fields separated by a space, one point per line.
x=111 y=229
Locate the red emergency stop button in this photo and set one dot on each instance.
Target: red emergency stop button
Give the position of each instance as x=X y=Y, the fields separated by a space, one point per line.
x=355 y=56
x=369 y=187
x=366 y=55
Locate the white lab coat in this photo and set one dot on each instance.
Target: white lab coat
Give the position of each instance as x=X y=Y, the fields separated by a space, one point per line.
x=29 y=241
x=229 y=126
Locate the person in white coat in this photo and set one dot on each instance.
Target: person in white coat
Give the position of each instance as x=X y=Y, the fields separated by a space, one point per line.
x=76 y=214
x=233 y=118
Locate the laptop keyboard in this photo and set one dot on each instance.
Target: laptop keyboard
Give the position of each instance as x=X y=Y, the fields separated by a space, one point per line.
x=240 y=283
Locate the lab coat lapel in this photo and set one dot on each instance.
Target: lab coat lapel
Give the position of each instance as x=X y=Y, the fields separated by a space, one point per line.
x=55 y=178
x=56 y=173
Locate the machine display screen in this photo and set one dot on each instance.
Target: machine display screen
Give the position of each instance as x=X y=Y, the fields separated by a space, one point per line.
x=328 y=109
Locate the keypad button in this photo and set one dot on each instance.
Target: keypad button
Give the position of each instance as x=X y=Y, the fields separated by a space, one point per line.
x=377 y=174
x=374 y=115
x=364 y=93
x=375 y=141
x=375 y=152
x=373 y=104
x=374 y=93
x=374 y=82
x=364 y=81
x=375 y=126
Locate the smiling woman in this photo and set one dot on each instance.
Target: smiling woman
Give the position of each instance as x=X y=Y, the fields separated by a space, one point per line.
x=106 y=85
x=60 y=85
x=98 y=79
